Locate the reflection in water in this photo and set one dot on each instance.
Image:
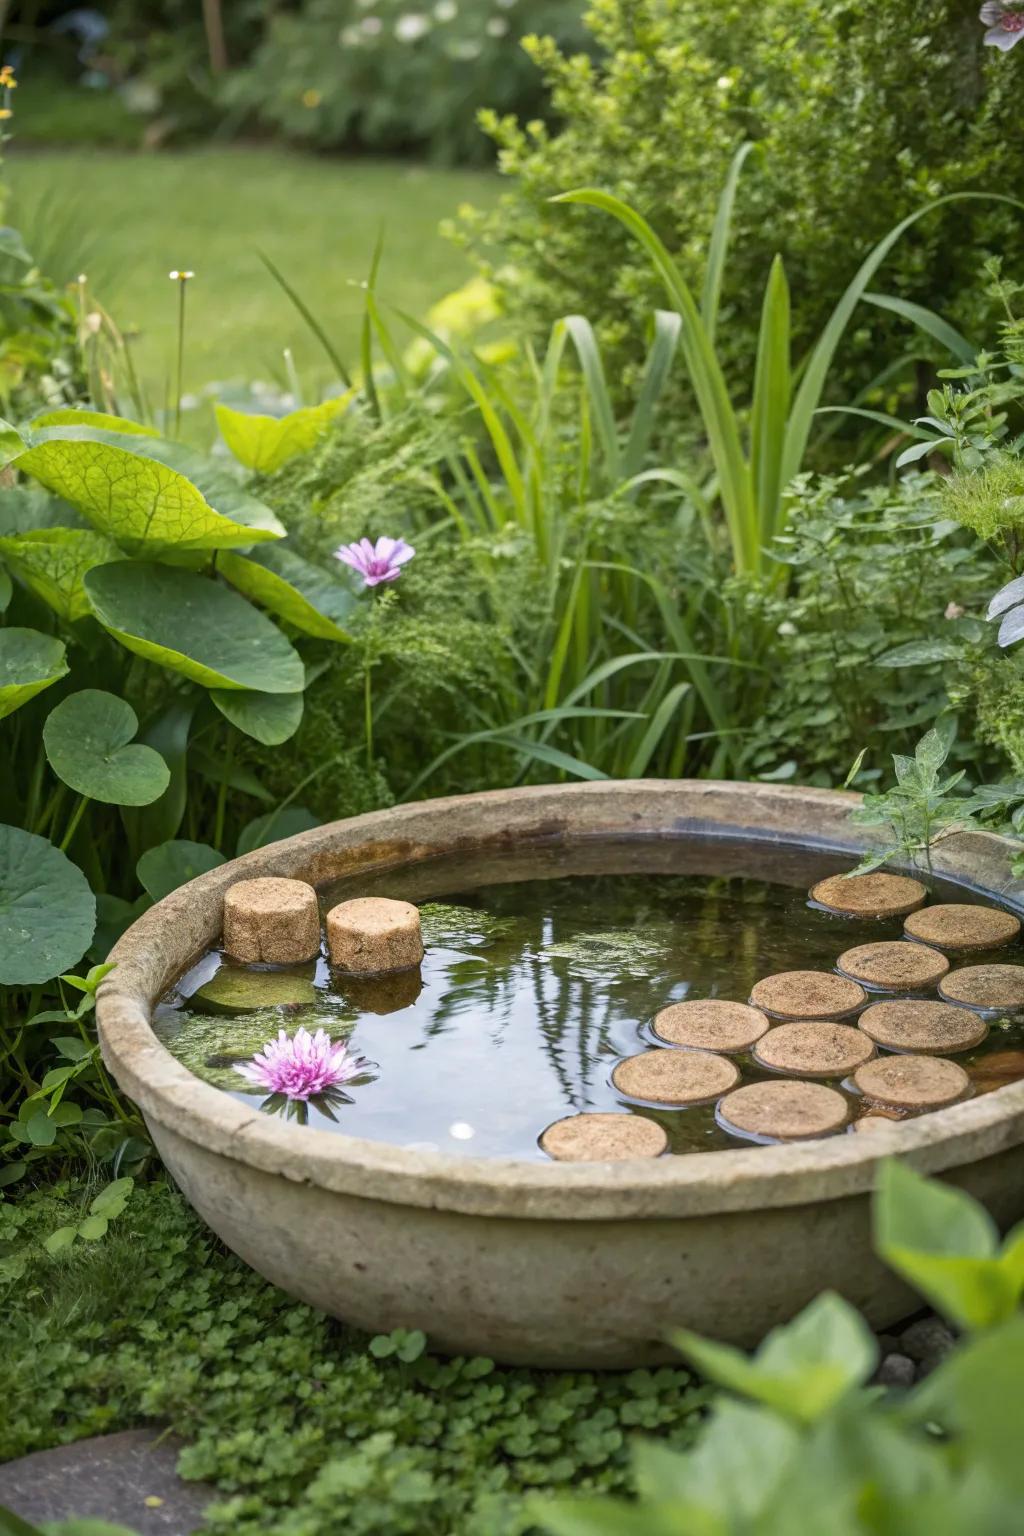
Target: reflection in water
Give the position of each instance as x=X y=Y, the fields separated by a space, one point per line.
x=532 y=988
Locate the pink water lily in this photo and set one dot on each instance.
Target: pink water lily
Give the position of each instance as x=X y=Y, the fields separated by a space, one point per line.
x=376 y=562
x=302 y=1065
x=1005 y=24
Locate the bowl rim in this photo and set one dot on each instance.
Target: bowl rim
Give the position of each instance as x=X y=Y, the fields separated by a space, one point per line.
x=162 y=943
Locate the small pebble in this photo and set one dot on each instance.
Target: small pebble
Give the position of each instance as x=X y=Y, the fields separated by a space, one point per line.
x=815 y=995
x=912 y=1082
x=896 y=1371
x=986 y=986
x=710 y=1024
x=372 y=934
x=813 y=1049
x=894 y=967
x=676 y=1077
x=786 y=1111
x=927 y=1341
x=873 y=895
x=955 y=925
x=923 y=1027
x=276 y=922
x=603 y=1138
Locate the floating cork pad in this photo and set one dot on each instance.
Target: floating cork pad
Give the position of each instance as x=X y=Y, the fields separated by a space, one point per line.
x=814 y=1049
x=933 y=1029
x=912 y=1082
x=271 y=920
x=954 y=925
x=896 y=967
x=783 y=1111
x=710 y=1024
x=808 y=995
x=985 y=986
x=603 y=1138
x=371 y=934
x=676 y=1077
x=874 y=895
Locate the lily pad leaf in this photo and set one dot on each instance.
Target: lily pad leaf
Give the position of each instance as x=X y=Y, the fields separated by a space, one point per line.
x=264 y=443
x=315 y=601
x=194 y=626
x=51 y=562
x=29 y=662
x=88 y=740
x=270 y=718
x=47 y=911
x=270 y=828
x=148 y=494
x=162 y=869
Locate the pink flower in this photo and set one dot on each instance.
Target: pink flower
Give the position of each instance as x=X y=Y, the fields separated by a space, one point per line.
x=376 y=562
x=1005 y=26
x=302 y=1066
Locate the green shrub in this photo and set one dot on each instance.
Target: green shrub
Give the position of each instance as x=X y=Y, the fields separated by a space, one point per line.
x=860 y=113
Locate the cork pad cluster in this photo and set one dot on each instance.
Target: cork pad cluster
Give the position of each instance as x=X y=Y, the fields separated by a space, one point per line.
x=828 y=1055
x=277 y=922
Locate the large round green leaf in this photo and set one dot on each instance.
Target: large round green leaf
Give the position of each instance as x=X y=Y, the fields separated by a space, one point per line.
x=47 y=911
x=315 y=601
x=161 y=870
x=88 y=743
x=29 y=662
x=194 y=626
x=270 y=718
x=148 y=494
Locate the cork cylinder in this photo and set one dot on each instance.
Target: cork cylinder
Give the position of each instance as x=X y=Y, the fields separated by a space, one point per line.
x=273 y=921
x=373 y=934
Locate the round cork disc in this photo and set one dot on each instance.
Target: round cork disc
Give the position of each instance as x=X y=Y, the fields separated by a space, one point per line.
x=710 y=1024
x=783 y=1111
x=895 y=967
x=676 y=1077
x=603 y=1138
x=954 y=925
x=874 y=895
x=876 y=1120
x=931 y=1029
x=912 y=1082
x=814 y=1049
x=986 y=986
x=807 y=995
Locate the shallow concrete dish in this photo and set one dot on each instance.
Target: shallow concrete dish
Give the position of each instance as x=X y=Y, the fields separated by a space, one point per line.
x=554 y=1264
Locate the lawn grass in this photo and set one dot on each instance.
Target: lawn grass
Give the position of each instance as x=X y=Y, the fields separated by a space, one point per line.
x=127 y=219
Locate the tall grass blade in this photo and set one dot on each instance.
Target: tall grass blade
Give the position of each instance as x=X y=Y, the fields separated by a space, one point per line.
x=667 y=326
x=719 y=244
x=601 y=411
x=813 y=382
x=651 y=739
x=770 y=405
x=928 y=321
x=311 y=321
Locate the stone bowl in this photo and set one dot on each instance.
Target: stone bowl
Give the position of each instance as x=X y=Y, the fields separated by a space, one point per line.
x=546 y=1264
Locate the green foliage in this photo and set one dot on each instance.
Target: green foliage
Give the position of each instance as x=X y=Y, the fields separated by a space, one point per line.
x=817 y=1447
x=334 y=74
x=304 y=1427
x=830 y=93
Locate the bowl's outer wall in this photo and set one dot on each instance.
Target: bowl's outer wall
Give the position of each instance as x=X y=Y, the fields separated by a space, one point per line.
x=542 y=1264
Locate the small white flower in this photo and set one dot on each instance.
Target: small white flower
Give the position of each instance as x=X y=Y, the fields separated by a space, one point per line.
x=465 y=50
x=506 y=5
x=724 y=83
x=445 y=10
x=411 y=26
x=497 y=26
